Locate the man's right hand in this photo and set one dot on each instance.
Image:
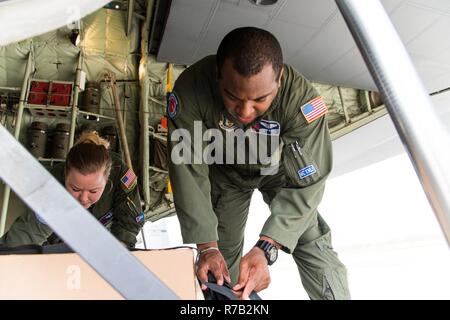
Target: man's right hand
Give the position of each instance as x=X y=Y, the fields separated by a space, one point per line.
x=210 y=259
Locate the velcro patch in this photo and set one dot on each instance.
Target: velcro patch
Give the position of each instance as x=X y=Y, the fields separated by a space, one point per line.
x=172 y=106
x=314 y=109
x=306 y=171
x=140 y=217
x=106 y=218
x=267 y=127
x=129 y=179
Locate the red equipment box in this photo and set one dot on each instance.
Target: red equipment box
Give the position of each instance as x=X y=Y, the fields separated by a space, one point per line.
x=39 y=86
x=61 y=88
x=37 y=98
x=59 y=100
x=50 y=93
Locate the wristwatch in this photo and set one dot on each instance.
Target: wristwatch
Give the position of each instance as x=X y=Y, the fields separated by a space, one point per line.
x=270 y=251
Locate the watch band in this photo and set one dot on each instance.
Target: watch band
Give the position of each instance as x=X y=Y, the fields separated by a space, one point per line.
x=268 y=249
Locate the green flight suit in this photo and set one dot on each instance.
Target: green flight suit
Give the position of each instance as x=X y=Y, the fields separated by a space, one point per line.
x=212 y=201
x=118 y=209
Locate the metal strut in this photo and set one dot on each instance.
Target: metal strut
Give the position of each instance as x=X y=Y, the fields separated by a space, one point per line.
x=424 y=137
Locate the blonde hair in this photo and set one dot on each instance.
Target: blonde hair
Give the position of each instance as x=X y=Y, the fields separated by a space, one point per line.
x=89 y=154
x=92 y=137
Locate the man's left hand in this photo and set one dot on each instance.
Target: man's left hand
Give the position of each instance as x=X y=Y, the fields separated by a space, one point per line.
x=254 y=274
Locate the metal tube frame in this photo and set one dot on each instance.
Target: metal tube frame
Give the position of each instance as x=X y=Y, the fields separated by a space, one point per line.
x=12 y=89
x=77 y=89
x=144 y=109
x=424 y=137
x=347 y=117
x=23 y=92
x=129 y=16
x=119 y=118
x=366 y=97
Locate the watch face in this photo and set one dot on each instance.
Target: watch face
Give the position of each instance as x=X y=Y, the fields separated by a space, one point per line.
x=273 y=254
x=270 y=251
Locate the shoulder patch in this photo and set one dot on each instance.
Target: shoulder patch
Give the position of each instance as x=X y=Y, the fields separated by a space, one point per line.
x=128 y=180
x=314 y=109
x=173 y=107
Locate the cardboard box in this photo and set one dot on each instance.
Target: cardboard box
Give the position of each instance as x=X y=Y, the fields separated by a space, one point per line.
x=67 y=276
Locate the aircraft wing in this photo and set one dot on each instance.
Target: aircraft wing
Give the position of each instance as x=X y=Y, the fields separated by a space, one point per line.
x=314 y=36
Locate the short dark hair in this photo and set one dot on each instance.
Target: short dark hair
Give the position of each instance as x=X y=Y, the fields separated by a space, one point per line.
x=250 y=49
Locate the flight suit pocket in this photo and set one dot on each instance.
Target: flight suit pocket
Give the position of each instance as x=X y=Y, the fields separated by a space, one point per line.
x=301 y=168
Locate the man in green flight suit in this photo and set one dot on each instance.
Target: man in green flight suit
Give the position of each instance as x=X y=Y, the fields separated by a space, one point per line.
x=101 y=182
x=246 y=89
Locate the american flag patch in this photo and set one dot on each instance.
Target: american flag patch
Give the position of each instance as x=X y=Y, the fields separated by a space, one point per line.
x=314 y=109
x=129 y=179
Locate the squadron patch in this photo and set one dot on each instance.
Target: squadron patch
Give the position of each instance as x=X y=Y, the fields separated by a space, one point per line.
x=106 y=218
x=226 y=124
x=306 y=171
x=129 y=180
x=267 y=127
x=314 y=109
x=172 y=106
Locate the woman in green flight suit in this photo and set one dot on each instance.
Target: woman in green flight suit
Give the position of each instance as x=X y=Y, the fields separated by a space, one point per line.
x=101 y=182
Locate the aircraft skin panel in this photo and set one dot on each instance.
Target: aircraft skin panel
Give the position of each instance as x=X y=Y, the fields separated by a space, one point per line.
x=350 y=64
x=314 y=56
x=423 y=19
x=317 y=14
x=314 y=37
x=292 y=47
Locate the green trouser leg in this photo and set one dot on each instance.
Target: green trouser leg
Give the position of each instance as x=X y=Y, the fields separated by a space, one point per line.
x=323 y=276
x=231 y=204
x=232 y=210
